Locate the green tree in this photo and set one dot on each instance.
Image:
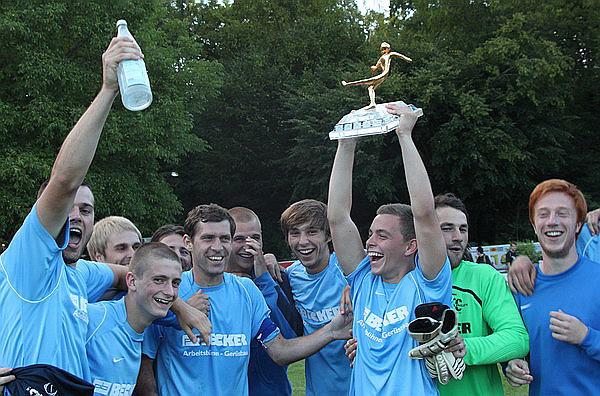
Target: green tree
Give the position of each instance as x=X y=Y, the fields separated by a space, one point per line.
x=50 y=54
x=282 y=62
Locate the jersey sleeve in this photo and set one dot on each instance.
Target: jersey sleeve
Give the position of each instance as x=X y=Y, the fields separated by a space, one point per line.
x=438 y=289
x=258 y=306
x=32 y=263
x=591 y=344
x=509 y=338
x=153 y=336
x=362 y=270
x=98 y=278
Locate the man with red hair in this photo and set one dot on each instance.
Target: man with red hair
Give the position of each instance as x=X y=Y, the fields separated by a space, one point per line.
x=562 y=315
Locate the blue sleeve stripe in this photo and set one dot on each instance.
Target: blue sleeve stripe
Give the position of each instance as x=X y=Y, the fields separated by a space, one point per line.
x=267 y=331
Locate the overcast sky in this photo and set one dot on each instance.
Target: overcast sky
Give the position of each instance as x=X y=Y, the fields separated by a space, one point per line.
x=375 y=5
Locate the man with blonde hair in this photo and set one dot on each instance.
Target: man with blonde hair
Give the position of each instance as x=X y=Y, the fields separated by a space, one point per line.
x=114 y=240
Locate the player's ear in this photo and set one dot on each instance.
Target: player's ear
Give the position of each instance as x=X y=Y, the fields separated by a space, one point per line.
x=130 y=279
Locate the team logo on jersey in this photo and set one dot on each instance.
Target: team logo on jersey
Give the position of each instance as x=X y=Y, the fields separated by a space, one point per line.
x=50 y=389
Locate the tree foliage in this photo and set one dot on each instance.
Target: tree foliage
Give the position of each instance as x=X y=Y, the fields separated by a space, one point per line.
x=247 y=91
x=50 y=54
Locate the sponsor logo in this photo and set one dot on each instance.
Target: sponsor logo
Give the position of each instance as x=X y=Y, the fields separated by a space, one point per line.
x=393 y=316
x=80 y=305
x=118 y=359
x=322 y=316
x=215 y=353
x=373 y=324
x=217 y=339
x=524 y=307
x=464 y=328
x=108 y=388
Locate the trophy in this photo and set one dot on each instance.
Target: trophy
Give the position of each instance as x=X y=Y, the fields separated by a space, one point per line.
x=372 y=119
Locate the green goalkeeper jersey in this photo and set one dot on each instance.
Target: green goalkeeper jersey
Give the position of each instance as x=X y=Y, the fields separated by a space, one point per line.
x=491 y=326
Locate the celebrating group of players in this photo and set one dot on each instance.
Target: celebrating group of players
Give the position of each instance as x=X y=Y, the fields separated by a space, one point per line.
x=236 y=320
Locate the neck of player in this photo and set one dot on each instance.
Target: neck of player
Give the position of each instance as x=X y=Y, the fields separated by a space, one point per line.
x=555 y=265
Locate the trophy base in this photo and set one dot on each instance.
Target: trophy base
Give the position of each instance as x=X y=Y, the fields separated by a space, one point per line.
x=374 y=121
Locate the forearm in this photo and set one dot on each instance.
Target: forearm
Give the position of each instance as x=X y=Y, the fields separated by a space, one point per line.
x=120 y=272
x=345 y=236
x=146 y=383
x=417 y=179
x=340 y=183
x=431 y=245
x=77 y=151
x=284 y=352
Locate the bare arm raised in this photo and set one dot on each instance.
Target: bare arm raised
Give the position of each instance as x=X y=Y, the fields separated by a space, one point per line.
x=430 y=241
x=344 y=233
x=79 y=147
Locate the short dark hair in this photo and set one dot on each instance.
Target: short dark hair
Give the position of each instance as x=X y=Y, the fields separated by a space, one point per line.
x=452 y=201
x=211 y=213
x=306 y=211
x=166 y=230
x=45 y=184
x=145 y=255
x=405 y=218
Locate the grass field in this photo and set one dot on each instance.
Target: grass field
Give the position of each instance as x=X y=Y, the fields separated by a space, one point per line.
x=296 y=375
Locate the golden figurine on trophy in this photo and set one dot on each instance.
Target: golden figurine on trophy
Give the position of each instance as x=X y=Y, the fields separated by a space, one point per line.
x=383 y=63
x=372 y=119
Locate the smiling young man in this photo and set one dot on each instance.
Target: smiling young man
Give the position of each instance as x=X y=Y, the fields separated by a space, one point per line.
x=44 y=286
x=562 y=315
x=265 y=377
x=317 y=284
x=238 y=313
x=114 y=240
x=391 y=279
x=489 y=321
x=175 y=237
x=116 y=328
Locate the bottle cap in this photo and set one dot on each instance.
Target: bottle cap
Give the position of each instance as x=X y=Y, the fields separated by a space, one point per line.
x=121 y=22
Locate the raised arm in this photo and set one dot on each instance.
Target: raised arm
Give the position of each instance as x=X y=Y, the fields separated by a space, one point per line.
x=79 y=147
x=345 y=236
x=430 y=241
x=399 y=55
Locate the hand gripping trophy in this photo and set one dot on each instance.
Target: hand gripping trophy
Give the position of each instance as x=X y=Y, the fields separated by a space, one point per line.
x=372 y=119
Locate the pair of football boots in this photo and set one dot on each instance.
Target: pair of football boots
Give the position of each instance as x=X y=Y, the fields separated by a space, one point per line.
x=435 y=327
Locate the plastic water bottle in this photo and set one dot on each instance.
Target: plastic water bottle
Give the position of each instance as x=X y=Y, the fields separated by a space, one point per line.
x=133 y=78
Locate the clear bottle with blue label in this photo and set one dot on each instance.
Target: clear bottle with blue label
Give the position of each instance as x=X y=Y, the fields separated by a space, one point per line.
x=134 y=84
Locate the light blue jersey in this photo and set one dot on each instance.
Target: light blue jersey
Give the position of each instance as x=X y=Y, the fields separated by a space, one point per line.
x=43 y=302
x=114 y=349
x=318 y=300
x=237 y=311
x=382 y=312
x=588 y=245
